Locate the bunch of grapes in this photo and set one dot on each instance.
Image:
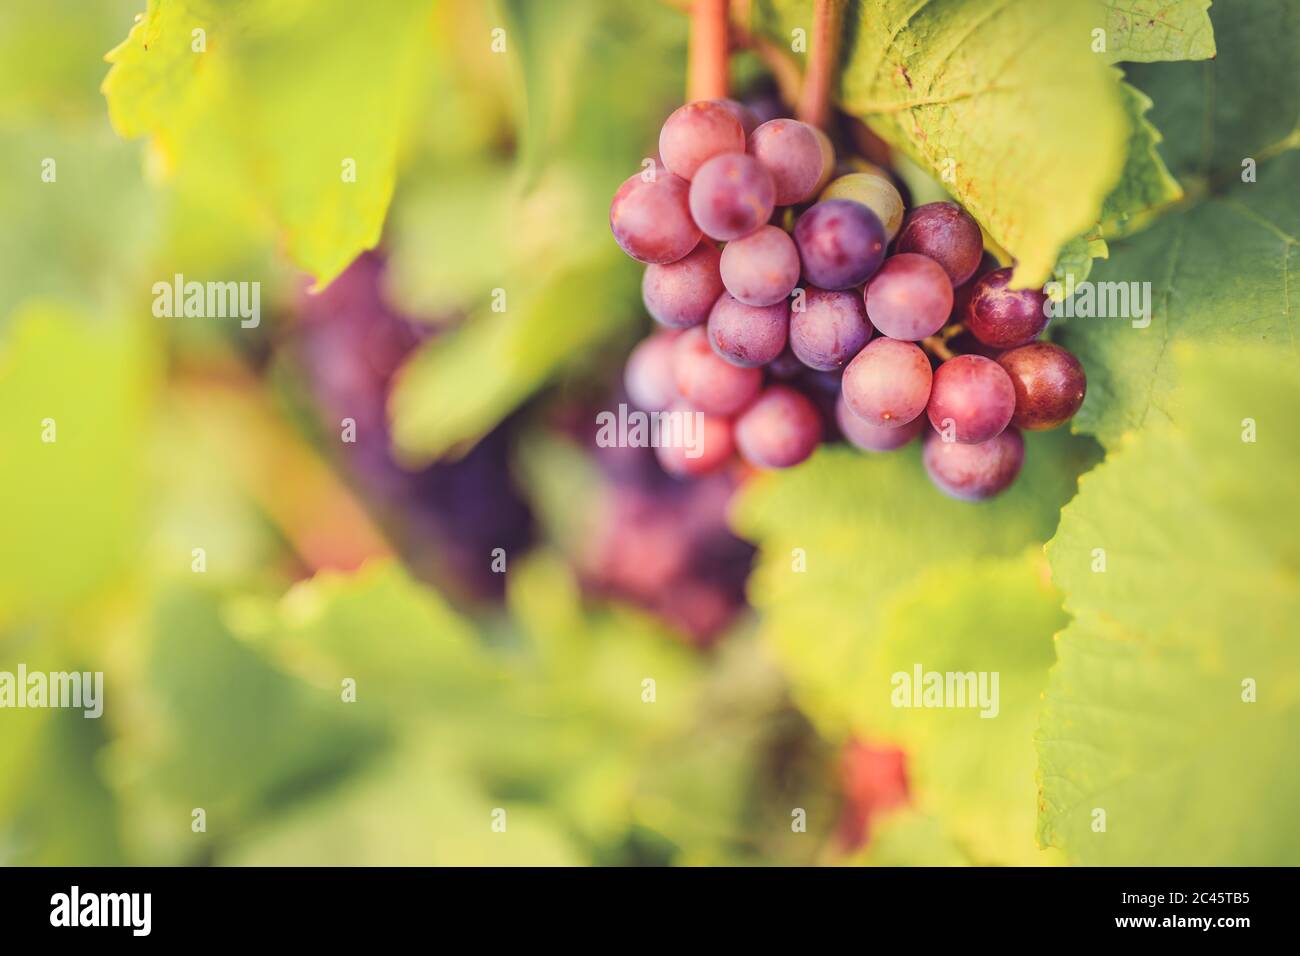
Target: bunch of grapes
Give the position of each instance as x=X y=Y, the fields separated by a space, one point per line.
x=836 y=277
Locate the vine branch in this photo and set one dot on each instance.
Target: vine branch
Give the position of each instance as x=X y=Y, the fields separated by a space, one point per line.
x=706 y=70
x=823 y=59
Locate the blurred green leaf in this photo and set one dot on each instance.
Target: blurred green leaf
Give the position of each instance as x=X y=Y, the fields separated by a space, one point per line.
x=460 y=385
x=273 y=106
x=973 y=773
x=75 y=396
x=1181 y=567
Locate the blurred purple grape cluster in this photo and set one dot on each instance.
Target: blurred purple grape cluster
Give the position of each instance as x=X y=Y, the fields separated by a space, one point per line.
x=444 y=519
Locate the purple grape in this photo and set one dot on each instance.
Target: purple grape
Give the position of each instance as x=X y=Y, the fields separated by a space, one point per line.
x=680 y=294
x=972 y=399
x=786 y=365
x=909 y=298
x=1005 y=318
x=445 y=519
x=888 y=383
x=841 y=243
x=974 y=472
x=749 y=120
x=947 y=234
x=780 y=429
x=875 y=192
x=762 y=268
x=829 y=329
x=1049 y=384
x=648 y=376
x=731 y=195
x=870 y=437
x=706 y=382
x=748 y=335
x=651 y=219
x=798 y=156
x=697 y=132
x=714 y=448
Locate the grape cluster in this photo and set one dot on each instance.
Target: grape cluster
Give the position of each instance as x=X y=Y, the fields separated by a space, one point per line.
x=827 y=287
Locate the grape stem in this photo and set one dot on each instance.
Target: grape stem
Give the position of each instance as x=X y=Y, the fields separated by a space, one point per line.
x=823 y=57
x=938 y=348
x=706 y=70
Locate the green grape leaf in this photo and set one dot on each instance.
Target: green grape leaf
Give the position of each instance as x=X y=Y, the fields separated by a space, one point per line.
x=1029 y=141
x=868 y=527
x=1174 y=708
x=1148 y=31
x=295 y=114
x=1178 y=267
x=75 y=396
x=1244 y=104
x=971 y=766
x=1146 y=185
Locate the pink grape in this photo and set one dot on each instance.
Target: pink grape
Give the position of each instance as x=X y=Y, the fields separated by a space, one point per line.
x=1049 y=384
x=972 y=399
x=651 y=220
x=888 y=383
x=870 y=437
x=749 y=120
x=786 y=365
x=648 y=376
x=731 y=195
x=762 y=268
x=841 y=243
x=909 y=298
x=947 y=234
x=706 y=382
x=781 y=428
x=1005 y=318
x=710 y=439
x=697 y=132
x=680 y=294
x=798 y=156
x=829 y=329
x=748 y=335
x=974 y=472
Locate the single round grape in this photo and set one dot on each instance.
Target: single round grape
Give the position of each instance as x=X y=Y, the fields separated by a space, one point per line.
x=870 y=437
x=749 y=120
x=909 y=298
x=828 y=328
x=1005 y=318
x=873 y=191
x=648 y=375
x=762 y=268
x=748 y=335
x=680 y=294
x=706 y=444
x=1049 y=384
x=972 y=399
x=781 y=428
x=706 y=382
x=947 y=234
x=697 y=132
x=888 y=383
x=841 y=243
x=797 y=157
x=974 y=472
x=731 y=195
x=651 y=218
